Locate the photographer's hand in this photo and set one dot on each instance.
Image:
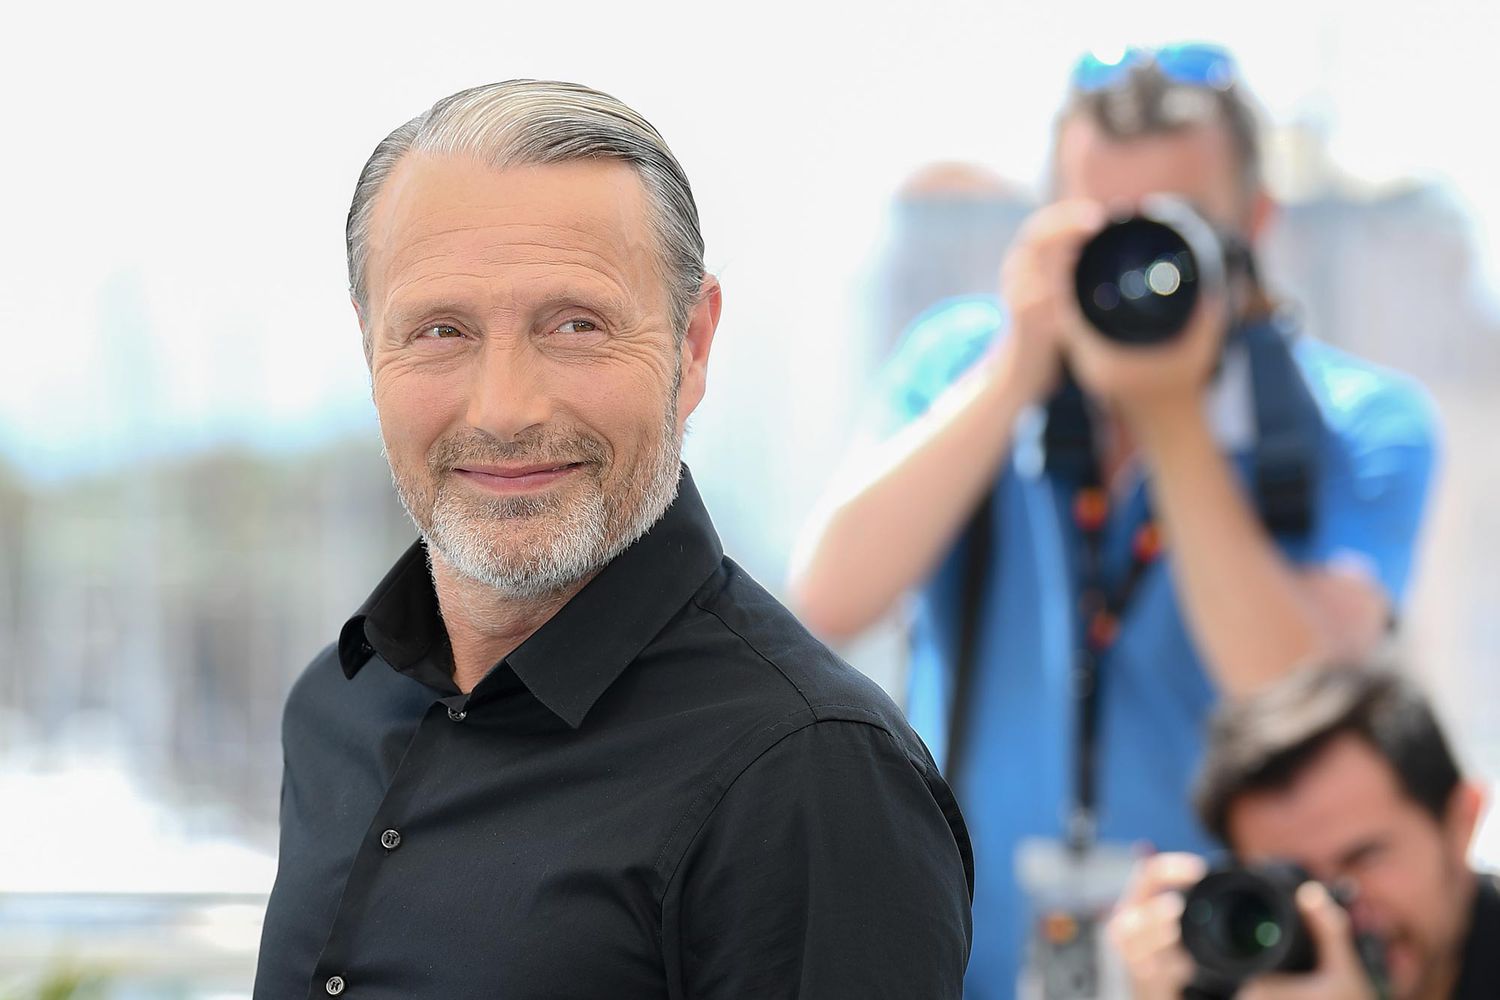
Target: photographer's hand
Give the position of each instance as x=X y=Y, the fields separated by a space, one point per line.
x=1339 y=974
x=1036 y=282
x=1146 y=927
x=1148 y=384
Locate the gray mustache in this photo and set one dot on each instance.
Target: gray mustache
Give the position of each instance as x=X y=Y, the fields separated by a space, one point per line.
x=483 y=449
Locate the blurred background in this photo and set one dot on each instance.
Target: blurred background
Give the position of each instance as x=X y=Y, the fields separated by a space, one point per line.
x=192 y=496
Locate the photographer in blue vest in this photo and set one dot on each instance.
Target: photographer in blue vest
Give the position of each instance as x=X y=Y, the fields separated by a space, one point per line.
x=1106 y=534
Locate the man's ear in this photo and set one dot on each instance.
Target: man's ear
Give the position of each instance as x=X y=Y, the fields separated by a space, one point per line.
x=697 y=340
x=1263 y=212
x=1465 y=807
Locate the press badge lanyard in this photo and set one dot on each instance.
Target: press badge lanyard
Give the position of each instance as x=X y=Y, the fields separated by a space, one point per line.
x=1100 y=610
x=1285 y=461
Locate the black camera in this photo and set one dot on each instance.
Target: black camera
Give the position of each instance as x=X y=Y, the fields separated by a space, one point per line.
x=1242 y=922
x=1139 y=277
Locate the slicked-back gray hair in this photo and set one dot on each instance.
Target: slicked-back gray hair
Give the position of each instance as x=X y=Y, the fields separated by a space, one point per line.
x=533 y=122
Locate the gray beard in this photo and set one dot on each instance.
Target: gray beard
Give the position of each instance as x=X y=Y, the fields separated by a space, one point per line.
x=585 y=531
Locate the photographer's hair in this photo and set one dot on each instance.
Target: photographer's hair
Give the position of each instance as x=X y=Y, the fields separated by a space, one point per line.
x=535 y=122
x=1265 y=742
x=1146 y=102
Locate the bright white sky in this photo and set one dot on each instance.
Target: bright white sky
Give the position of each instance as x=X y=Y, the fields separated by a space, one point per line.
x=176 y=177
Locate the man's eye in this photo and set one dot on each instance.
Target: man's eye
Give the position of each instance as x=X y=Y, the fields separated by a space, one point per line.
x=577 y=326
x=439 y=331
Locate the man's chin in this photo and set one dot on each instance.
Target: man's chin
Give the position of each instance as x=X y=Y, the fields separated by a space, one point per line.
x=1404 y=968
x=513 y=575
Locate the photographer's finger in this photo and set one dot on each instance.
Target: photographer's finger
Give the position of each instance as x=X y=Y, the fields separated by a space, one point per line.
x=1164 y=977
x=1283 y=987
x=1162 y=872
x=1146 y=940
x=1063 y=245
x=1149 y=928
x=1073 y=215
x=1172 y=972
x=1329 y=924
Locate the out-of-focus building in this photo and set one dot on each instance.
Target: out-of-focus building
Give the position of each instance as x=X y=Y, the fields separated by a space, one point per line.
x=1393 y=273
x=945 y=234
x=159 y=613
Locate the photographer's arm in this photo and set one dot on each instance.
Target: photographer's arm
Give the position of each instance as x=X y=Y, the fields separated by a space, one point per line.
x=886 y=529
x=1254 y=614
x=886 y=525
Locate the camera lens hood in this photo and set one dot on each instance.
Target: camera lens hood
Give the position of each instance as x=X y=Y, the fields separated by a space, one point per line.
x=1139 y=278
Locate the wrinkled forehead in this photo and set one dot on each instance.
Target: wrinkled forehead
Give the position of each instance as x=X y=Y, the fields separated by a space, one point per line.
x=438 y=211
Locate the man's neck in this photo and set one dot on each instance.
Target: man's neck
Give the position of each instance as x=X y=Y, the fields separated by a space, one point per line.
x=484 y=626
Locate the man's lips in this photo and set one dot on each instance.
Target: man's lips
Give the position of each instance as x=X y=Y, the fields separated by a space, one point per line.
x=515 y=471
x=508 y=478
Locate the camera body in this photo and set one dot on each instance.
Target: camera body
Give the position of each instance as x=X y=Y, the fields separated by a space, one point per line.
x=1239 y=922
x=1242 y=921
x=1139 y=278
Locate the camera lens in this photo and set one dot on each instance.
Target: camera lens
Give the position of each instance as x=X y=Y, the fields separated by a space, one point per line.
x=1240 y=922
x=1139 y=278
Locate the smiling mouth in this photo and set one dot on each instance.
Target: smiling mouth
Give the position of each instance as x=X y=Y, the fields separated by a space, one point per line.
x=517 y=471
x=516 y=478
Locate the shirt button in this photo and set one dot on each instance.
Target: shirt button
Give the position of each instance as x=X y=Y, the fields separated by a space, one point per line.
x=457 y=715
x=334 y=986
x=390 y=840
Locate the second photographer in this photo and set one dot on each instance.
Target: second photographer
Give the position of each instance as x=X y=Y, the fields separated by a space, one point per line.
x=1343 y=776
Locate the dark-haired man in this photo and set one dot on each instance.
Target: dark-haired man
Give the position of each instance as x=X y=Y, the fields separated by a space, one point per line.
x=1026 y=572
x=1347 y=774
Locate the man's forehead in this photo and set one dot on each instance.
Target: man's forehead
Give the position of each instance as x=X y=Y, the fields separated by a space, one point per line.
x=1345 y=794
x=1195 y=160
x=432 y=203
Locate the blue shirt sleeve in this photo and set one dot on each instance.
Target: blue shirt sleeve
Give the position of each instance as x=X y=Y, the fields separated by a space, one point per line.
x=936 y=350
x=1379 y=457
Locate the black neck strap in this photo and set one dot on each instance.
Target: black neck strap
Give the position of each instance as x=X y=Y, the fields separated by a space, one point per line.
x=1288 y=432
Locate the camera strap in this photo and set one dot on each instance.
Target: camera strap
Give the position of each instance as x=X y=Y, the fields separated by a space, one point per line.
x=1288 y=430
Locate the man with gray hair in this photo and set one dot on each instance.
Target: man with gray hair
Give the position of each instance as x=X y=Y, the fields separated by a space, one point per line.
x=566 y=748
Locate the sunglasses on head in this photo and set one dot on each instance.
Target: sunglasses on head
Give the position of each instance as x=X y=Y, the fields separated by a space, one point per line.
x=1193 y=63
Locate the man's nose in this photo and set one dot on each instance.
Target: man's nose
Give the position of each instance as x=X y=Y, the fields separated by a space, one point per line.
x=509 y=391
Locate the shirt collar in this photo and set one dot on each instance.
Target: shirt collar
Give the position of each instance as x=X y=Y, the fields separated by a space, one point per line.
x=399 y=620
x=575 y=656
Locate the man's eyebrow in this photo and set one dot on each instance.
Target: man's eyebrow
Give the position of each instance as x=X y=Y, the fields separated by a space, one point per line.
x=401 y=312
x=1360 y=851
x=612 y=302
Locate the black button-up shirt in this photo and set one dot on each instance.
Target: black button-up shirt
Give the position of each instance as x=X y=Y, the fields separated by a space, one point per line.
x=669 y=790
